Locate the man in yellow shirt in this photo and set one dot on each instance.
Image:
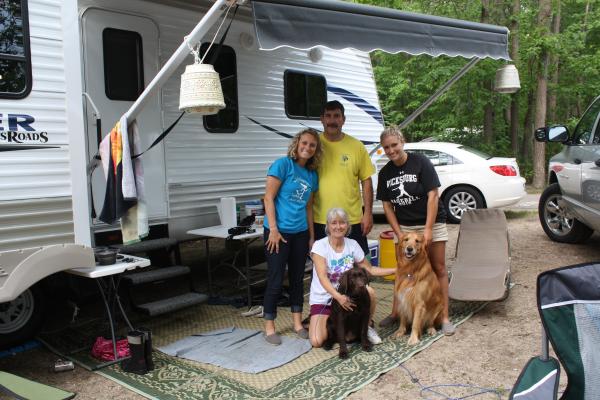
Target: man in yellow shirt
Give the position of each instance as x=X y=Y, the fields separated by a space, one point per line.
x=344 y=168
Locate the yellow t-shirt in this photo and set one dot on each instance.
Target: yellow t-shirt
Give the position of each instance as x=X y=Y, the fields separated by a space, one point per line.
x=343 y=165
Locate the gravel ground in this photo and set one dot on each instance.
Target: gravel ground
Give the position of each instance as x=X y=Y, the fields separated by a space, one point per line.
x=488 y=350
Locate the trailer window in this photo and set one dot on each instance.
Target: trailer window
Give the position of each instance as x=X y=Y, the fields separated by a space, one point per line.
x=123 y=64
x=305 y=94
x=15 y=59
x=226 y=120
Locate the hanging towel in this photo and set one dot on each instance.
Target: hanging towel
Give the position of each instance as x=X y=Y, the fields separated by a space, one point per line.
x=124 y=197
x=134 y=224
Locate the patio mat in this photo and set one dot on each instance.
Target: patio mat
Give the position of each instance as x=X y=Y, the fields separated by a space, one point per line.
x=318 y=374
x=236 y=349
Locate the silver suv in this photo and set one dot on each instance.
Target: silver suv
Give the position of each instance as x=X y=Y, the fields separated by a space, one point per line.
x=569 y=208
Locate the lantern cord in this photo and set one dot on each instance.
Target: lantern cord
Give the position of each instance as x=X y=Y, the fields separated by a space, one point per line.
x=195 y=50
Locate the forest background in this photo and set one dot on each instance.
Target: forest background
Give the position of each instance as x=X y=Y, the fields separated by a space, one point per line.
x=555 y=46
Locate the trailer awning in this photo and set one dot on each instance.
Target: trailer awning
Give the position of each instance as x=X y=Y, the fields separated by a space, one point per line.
x=303 y=24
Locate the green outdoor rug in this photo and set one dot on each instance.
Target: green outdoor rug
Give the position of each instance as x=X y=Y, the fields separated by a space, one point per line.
x=318 y=374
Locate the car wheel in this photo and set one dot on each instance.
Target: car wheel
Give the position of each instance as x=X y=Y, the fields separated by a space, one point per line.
x=21 y=318
x=460 y=199
x=556 y=221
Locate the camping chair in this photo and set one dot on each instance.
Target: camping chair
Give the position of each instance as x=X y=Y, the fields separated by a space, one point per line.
x=569 y=304
x=16 y=387
x=481 y=271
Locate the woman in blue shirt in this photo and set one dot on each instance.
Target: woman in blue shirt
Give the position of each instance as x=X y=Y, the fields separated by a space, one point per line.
x=291 y=182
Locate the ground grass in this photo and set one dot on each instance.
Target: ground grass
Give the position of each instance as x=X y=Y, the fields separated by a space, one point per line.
x=533 y=190
x=513 y=214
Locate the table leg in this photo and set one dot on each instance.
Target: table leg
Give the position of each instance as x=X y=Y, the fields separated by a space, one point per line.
x=118 y=301
x=113 y=297
x=110 y=321
x=247 y=272
x=208 y=267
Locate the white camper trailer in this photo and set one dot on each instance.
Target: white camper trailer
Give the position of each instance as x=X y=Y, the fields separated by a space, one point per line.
x=69 y=65
x=116 y=50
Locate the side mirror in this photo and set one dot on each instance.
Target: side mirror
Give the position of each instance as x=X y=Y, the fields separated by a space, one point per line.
x=557 y=133
x=541 y=134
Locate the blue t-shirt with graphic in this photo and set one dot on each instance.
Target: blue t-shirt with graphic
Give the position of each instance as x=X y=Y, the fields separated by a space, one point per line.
x=297 y=183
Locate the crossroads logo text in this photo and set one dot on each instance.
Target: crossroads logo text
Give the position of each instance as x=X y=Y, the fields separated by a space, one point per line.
x=18 y=129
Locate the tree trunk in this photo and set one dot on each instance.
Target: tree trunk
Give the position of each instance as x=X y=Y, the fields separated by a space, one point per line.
x=488 y=110
x=528 y=127
x=554 y=71
x=580 y=78
x=514 y=98
x=539 y=149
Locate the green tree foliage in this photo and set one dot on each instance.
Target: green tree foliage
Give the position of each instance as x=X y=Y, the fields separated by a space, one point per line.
x=405 y=81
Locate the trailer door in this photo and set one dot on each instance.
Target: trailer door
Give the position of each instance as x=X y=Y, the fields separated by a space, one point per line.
x=120 y=58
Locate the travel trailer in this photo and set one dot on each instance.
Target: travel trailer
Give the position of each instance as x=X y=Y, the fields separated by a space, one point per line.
x=71 y=68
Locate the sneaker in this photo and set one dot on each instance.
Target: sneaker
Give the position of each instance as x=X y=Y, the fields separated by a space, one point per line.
x=387 y=321
x=254 y=311
x=448 y=328
x=373 y=336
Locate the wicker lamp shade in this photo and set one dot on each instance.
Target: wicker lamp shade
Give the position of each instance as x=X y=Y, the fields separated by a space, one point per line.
x=507 y=79
x=201 y=90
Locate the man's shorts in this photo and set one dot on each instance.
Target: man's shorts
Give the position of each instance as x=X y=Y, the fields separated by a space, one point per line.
x=320 y=309
x=439 y=231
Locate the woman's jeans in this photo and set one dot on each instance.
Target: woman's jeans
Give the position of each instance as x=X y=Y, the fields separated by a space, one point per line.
x=293 y=254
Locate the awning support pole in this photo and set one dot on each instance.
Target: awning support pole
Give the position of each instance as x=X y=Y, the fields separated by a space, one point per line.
x=211 y=16
x=434 y=97
x=440 y=92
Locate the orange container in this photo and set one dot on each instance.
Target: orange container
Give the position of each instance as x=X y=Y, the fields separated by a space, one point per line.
x=387 y=252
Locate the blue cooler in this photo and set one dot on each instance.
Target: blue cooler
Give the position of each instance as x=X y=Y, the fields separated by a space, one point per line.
x=373 y=252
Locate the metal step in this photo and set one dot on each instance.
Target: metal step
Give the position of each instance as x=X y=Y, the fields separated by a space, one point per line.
x=158 y=274
x=172 y=304
x=146 y=245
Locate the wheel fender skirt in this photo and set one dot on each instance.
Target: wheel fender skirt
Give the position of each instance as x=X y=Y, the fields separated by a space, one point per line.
x=20 y=269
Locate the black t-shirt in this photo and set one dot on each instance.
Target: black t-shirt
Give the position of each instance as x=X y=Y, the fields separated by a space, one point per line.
x=406 y=187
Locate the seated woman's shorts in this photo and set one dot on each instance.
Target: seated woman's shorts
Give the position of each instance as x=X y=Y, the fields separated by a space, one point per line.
x=440 y=233
x=320 y=309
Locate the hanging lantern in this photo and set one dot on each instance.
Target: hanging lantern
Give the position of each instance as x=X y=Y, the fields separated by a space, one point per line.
x=201 y=90
x=507 y=79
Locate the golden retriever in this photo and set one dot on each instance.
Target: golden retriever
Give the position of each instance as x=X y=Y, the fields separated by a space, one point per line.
x=417 y=293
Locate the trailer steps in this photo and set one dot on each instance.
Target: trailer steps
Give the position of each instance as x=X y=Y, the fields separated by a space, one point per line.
x=155 y=275
x=172 y=304
x=161 y=289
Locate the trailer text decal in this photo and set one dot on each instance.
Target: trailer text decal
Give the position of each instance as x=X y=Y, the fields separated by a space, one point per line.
x=17 y=129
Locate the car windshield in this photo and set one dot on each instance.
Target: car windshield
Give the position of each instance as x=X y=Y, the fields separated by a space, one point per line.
x=476 y=152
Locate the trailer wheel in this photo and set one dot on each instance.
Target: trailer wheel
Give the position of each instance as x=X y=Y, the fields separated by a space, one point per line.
x=21 y=318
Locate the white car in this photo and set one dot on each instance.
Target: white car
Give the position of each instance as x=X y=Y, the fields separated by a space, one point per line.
x=469 y=178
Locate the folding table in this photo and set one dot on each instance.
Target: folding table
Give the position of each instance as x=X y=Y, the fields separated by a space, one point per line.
x=104 y=275
x=221 y=232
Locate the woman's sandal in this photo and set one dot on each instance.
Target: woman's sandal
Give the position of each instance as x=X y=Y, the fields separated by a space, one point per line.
x=302 y=333
x=273 y=339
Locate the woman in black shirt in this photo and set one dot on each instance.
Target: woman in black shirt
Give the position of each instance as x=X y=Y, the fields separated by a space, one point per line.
x=408 y=188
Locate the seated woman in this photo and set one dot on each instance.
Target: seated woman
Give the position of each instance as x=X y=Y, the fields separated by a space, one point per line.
x=332 y=256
